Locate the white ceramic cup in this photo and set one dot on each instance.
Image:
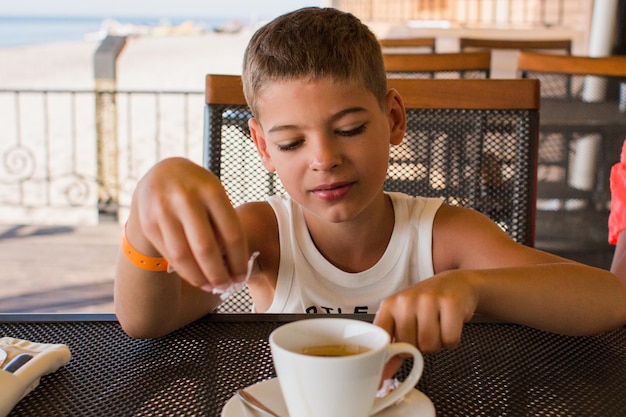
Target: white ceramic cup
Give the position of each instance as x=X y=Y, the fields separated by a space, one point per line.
x=346 y=386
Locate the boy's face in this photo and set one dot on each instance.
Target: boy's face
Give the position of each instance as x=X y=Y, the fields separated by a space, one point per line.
x=328 y=142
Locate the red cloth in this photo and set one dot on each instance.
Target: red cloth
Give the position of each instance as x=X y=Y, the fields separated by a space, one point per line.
x=617 y=217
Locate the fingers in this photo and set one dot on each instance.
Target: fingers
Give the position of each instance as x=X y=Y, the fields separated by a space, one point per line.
x=391 y=367
x=229 y=236
x=452 y=322
x=428 y=318
x=403 y=308
x=429 y=327
x=385 y=320
x=187 y=217
x=217 y=242
x=412 y=320
x=179 y=251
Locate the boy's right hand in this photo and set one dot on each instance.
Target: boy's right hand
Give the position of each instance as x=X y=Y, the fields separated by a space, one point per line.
x=181 y=211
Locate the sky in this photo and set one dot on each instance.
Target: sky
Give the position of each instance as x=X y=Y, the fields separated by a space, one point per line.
x=154 y=8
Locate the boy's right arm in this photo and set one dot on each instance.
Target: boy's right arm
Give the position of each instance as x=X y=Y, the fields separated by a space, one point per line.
x=181 y=212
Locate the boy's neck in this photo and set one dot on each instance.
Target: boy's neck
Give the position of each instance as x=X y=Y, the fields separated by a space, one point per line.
x=357 y=245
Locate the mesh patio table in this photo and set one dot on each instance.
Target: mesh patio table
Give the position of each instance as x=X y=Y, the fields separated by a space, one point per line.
x=497 y=370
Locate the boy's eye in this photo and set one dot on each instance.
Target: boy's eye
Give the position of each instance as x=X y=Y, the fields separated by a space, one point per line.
x=293 y=145
x=352 y=132
x=289 y=146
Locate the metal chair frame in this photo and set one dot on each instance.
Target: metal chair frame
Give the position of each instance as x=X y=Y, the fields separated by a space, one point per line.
x=470 y=142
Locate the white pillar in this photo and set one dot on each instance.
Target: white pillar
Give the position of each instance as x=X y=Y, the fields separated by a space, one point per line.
x=502 y=13
x=601 y=35
x=584 y=163
x=602 y=31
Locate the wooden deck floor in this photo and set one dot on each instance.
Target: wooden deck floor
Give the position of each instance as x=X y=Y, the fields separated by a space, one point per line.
x=58 y=268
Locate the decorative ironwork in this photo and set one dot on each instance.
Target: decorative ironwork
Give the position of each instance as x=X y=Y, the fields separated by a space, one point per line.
x=49 y=152
x=18 y=163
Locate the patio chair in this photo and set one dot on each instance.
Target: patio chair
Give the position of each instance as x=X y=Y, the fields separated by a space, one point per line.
x=472 y=143
x=581 y=133
x=408 y=45
x=469 y=142
x=558 y=46
x=444 y=65
x=505 y=51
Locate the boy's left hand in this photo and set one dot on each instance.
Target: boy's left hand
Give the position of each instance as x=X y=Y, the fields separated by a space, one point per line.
x=430 y=314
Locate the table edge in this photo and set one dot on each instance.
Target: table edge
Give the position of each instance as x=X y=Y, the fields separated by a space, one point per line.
x=219 y=317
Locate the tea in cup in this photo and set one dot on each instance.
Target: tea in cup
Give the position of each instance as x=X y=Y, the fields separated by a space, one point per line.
x=333 y=367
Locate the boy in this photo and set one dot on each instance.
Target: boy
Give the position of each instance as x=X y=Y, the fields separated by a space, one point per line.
x=324 y=121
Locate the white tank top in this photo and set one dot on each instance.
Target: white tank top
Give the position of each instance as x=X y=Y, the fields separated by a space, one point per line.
x=308 y=283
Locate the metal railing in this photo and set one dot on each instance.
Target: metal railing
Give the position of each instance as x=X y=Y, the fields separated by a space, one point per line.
x=49 y=151
x=467 y=13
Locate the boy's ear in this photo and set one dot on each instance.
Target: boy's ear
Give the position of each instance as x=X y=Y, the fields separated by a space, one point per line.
x=256 y=132
x=396 y=114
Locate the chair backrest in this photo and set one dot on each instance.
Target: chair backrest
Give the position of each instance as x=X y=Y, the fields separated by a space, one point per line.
x=414 y=44
x=563 y=46
x=474 y=144
x=567 y=76
x=438 y=65
x=470 y=142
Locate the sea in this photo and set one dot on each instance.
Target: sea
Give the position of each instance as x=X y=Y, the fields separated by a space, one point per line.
x=28 y=30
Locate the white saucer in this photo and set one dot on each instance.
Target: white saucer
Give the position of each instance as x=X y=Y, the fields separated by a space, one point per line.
x=414 y=404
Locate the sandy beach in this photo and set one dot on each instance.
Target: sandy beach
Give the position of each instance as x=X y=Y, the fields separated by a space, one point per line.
x=169 y=63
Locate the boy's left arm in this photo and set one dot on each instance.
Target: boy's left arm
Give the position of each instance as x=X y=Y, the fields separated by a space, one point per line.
x=480 y=270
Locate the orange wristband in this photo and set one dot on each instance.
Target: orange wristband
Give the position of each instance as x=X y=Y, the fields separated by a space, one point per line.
x=147 y=263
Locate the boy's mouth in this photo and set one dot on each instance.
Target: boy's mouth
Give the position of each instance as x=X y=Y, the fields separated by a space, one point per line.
x=330 y=192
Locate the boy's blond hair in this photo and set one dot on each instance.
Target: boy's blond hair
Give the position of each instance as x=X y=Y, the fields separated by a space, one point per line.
x=312 y=43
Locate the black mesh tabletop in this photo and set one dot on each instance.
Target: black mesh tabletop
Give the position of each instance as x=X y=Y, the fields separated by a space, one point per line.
x=498 y=369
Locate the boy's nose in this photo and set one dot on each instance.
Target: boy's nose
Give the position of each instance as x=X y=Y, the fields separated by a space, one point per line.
x=324 y=156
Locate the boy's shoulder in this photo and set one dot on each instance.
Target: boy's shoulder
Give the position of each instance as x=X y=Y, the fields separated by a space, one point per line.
x=414 y=205
x=255 y=211
x=260 y=225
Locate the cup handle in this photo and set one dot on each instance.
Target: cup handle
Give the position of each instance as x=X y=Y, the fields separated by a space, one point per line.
x=411 y=380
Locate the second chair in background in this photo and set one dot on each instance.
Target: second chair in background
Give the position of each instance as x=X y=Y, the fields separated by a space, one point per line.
x=506 y=51
x=580 y=117
x=558 y=46
x=581 y=133
x=443 y=65
x=408 y=45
